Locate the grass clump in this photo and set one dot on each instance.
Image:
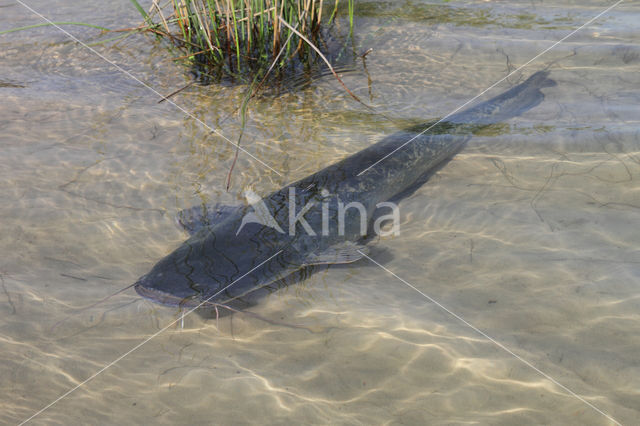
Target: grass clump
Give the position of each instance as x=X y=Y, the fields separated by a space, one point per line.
x=246 y=39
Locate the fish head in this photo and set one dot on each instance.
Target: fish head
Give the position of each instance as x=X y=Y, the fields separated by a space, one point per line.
x=217 y=265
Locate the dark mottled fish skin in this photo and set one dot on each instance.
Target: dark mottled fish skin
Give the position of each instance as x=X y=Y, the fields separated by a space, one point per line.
x=213 y=260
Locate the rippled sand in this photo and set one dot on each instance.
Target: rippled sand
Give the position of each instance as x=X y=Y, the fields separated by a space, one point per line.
x=530 y=235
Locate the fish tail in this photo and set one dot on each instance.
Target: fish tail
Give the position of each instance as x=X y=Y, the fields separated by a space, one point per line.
x=509 y=104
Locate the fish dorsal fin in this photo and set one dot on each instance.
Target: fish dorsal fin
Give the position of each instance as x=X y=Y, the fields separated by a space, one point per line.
x=345 y=252
x=195 y=218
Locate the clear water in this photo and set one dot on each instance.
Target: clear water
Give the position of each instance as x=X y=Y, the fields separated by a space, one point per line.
x=530 y=234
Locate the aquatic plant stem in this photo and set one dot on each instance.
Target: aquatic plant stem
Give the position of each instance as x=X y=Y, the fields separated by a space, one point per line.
x=175 y=92
x=55 y=24
x=330 y=67
x=243 y=115
x=237 y=38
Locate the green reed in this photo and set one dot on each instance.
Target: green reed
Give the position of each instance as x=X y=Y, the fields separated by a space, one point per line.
x=243 y=38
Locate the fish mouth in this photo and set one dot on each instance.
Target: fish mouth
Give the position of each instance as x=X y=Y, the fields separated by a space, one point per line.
x=166 y=299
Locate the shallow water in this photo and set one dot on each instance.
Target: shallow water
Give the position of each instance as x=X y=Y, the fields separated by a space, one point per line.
x=530 y=234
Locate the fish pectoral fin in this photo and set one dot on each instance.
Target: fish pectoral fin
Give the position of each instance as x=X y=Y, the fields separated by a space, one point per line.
x=195 y=218
x=346 y=252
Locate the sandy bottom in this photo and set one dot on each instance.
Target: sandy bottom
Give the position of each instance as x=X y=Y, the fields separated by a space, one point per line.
x=523 y=250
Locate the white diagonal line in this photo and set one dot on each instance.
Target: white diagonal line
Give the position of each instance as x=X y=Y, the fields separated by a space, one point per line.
x=133 y=77
x=93 y=376
x=494 y=341
x=493 y=85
